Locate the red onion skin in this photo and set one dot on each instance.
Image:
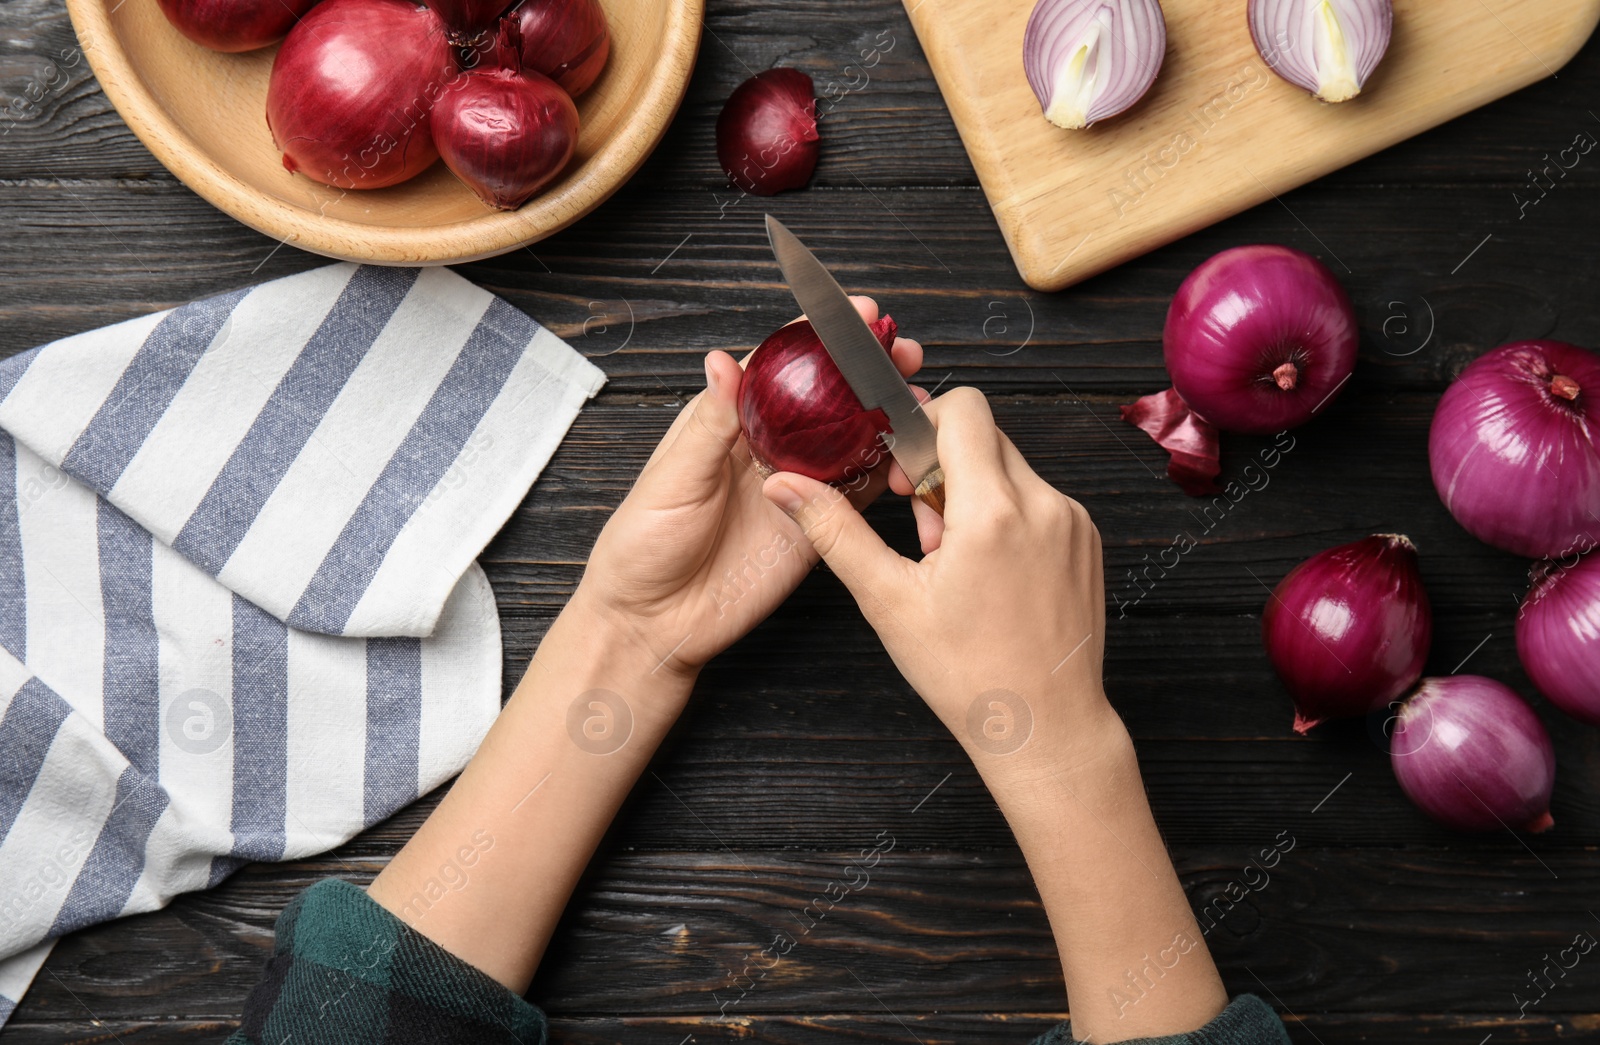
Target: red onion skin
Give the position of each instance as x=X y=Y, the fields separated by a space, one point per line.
x=505 y=133
x=1513 y=449
x=767 y=132
x=235 y=25
x=1239 y=318
x=800 y=415
x=1473 y=755
x=1190 y=439
x=351 y=88
x=566 y=40
x=1348 y=630
x=1558 y=635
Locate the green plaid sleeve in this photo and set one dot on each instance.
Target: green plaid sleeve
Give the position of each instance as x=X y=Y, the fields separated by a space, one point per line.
x=345 y=970
x=1246 y=1021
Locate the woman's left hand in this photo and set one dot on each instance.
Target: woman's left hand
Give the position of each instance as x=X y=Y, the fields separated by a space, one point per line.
x=695 y=556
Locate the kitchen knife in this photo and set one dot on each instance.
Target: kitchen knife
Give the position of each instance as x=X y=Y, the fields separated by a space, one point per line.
x=866 y=367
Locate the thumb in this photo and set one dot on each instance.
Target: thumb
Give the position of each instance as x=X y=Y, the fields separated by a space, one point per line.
x=846 y=542
x=697 y=446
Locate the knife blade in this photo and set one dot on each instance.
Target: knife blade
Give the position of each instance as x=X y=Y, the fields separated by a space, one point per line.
x=860 y=357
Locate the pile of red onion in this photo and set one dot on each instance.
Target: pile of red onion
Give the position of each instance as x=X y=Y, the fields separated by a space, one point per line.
x=800 y=415
x=366 y=94
x=1348 y=632
x=1258 y=339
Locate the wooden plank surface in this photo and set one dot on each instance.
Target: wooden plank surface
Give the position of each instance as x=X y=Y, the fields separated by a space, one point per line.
x=1381 y=928
x=1217 y=132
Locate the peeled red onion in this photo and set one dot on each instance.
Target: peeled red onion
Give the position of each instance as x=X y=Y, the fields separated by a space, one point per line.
x=1473 y=755
x=467 y=20
x=1514 y=448
x=800 y=415
x=1348 y=630
x=505 y=131
x=351 y=88
x=1328 y=47
x=767 y=132
x=566 y=40
x=1258 y=339
x=1558 y=635
x=234 y=25
x=1088 y=60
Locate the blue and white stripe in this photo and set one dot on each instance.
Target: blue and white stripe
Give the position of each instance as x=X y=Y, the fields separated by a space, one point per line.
x=288 y=439
x=239 y=613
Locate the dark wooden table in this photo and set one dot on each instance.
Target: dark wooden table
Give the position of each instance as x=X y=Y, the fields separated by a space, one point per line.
x=804 y=744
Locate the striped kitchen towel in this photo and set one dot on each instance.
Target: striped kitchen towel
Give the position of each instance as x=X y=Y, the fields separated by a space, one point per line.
x=239 y=613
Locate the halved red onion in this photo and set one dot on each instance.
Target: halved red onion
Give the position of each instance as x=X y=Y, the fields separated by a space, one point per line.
x=1558 y=634
x=566 y=40
x=1328 y=47
x=1258 y=340
x=1088 y=60
x=351 y=88
x=1515 y=449
x=800 y=415
x=1348 y=630
x=1473 y=755
x=767 y=132
x=234 y=25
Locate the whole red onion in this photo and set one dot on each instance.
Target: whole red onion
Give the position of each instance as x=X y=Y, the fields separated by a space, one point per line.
x=566 y=40
x=1514 y=448
x=234 y=25
x=1473 y=755
x=798 y=412
x=467 y=20
x=1258 y=339
x=351 y=88
x=1348 y=630
x=767 y=132
x=506 y=133
x=1558 y=635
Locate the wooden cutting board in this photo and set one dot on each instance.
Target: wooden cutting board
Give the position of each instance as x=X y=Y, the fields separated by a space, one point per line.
x=1219 y=132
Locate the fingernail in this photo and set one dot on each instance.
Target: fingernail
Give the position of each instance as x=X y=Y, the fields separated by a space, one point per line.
x=785 y=496
x=711 y=379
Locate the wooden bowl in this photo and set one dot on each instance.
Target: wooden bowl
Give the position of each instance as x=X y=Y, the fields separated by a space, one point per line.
x=203 y=115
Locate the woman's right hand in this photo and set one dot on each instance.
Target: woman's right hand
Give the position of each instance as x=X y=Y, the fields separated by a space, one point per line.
x=1001 y=626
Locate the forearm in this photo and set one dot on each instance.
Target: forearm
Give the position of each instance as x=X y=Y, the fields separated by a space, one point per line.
x=1134 y=960
x=490 y=871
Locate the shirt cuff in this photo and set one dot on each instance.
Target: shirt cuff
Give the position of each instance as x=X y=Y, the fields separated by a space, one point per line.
x=344 y=969
x=1246 y=1021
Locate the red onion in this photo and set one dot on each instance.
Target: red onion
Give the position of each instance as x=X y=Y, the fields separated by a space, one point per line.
x=566 y=40
x=1348 y=630
x=1258 y=339
x=1513 y=448
x=1472 y=755
x=234 y=25
x=1088 y=60
x=351 y=88
x=505 y=131
x=1328 y=47
x=799 y=414
x=1558 y=635
x=767 y=132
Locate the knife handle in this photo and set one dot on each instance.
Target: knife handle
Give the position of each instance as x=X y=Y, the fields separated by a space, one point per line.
x=931 y=490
